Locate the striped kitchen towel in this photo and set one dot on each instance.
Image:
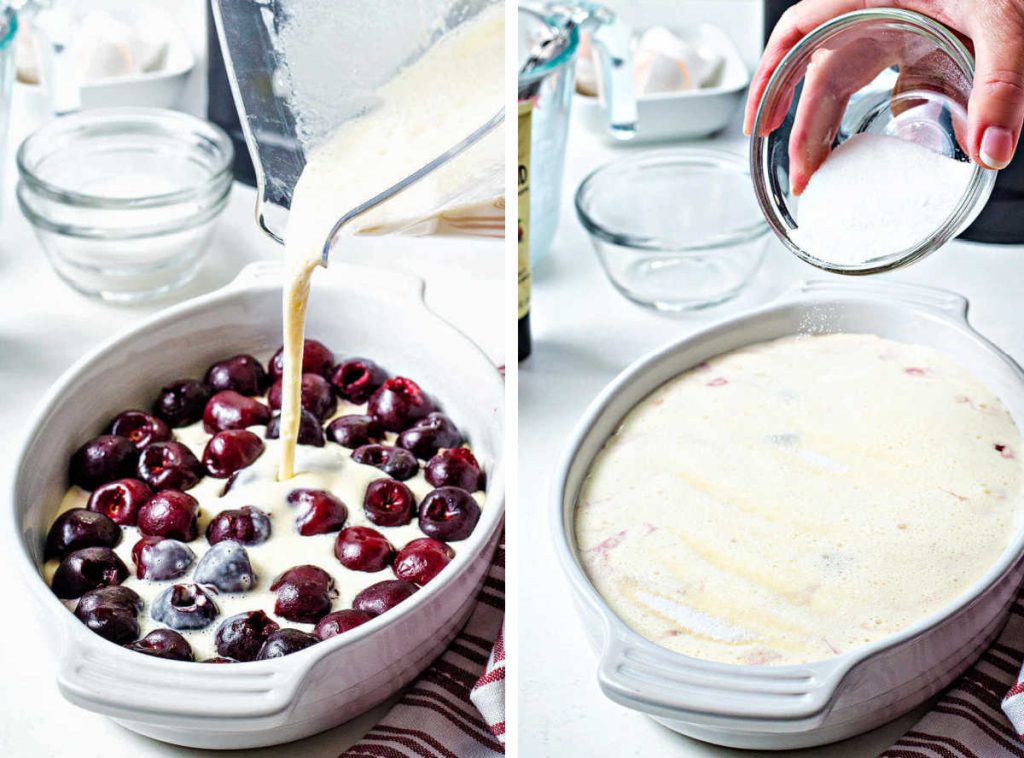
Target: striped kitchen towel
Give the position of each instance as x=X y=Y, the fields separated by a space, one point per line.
x=456 y=708
x=966 y=721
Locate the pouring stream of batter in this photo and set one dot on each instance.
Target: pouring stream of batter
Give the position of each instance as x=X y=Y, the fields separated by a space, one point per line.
x=451 y=90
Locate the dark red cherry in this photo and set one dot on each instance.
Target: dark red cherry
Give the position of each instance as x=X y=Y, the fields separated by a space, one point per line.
x=355 y=431
x=120 y=500
x=226 y=566
x=360 y=548
x=304 y=594
x=455 y=467
x=393 y=461
x=383 y=596
x=421 y=560
x=230 y=410
x=240 y=373
x=231 y=451
x=316 y=359
x=78 y=528
x=241 y=636
x=356 y=379
x=310 y=431
x=319 y=512
x=285 y=642
x=164 y=643
x=340 y=622
x=87 y=569
x=429 y=435
x=169 y=466
x=101 y=460
x=398 y=404
x=219 y=659
x=181 y=403
x=449 y=514
x=111 y=612
x=247 y=525
x=160 y=558
x=170 y=513
x=184 y=606
x=140 y=428
x=317 y=397
x=389 y=503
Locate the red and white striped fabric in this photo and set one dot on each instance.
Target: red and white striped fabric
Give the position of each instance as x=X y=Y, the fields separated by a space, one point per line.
x=966 y=721
x=488 y=693
x=456 y=708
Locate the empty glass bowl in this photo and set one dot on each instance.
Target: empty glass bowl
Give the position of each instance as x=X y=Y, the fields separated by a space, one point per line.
x=123 y=200
x=675 y=229
x=878 y=72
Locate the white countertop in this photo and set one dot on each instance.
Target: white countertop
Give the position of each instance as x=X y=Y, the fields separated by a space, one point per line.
x=44 y=326
x=584 y=334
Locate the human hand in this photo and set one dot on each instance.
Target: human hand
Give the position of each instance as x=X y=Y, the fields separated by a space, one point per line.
x=993 y=29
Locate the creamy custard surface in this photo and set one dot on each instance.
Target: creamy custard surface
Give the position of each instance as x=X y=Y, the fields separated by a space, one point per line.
x=799 y=498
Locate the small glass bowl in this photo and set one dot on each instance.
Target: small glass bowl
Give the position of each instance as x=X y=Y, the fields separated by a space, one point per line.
x=928 y=106
x=676 y=229
x=123 y=200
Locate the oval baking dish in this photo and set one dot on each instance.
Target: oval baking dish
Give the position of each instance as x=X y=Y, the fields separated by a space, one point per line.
x=360 y=311
x=794 y=706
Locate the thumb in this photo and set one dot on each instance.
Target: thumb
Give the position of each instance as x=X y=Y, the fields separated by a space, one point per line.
x=996 y=107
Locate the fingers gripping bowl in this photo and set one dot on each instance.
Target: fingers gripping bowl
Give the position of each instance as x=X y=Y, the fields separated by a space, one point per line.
x=802 y=704
x=271 y=701
x=882 y=73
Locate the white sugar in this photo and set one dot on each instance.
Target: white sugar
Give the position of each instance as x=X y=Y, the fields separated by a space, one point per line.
x=876 y=196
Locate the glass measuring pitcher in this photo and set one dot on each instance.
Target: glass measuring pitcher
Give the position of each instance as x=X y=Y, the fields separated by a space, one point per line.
x=548 y=42
x=300 y=69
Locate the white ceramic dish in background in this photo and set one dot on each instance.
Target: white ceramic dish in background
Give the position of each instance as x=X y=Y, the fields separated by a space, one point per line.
x=355 y=310
x=794 y=706
x=163 y=88
x=682 y=115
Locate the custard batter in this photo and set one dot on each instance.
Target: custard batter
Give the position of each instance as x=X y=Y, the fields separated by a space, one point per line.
x=795 y=499
x=328 y=468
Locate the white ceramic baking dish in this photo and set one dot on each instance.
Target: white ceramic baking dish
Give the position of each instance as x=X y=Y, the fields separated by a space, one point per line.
x=355 y=310
x=794 y=706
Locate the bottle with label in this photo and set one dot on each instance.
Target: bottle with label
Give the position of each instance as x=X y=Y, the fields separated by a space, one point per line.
x=523 y=176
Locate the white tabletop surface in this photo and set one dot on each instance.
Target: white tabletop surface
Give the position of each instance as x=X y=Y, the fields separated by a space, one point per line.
x=44 y=326
x=584 y=334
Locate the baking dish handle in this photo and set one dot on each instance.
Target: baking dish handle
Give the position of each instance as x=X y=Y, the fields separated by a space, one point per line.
x=262 y=272
x=943 y=301
x=664 y=684
x=108 y=679
x=388 y=281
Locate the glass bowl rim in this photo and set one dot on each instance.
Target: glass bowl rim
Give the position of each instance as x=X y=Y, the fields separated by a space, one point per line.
x=114 y=121
x=718 y=158
x=975 y=194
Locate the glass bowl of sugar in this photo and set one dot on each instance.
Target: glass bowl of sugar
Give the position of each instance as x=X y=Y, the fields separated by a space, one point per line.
x=124 y=200
x=858 y=155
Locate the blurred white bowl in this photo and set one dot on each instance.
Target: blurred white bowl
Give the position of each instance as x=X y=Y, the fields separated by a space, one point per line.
x=683 y=115
x=162 y=88
x=159 y=89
